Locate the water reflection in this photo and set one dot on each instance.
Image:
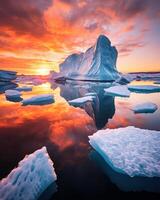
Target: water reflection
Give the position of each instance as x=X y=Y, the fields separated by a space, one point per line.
x=101 y=109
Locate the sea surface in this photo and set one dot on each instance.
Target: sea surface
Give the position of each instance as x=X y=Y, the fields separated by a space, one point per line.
x=64 y=130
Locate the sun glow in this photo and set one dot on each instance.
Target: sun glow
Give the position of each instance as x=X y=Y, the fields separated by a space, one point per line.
x=42 y=71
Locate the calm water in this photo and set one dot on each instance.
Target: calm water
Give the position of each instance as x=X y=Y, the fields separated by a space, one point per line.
x=64 y=130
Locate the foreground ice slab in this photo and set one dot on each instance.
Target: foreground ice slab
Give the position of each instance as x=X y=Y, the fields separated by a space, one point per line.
x=39 y=100
x=118 y=91
x=29 y=180
x=81 y=100
x=12 y=93
x=129 y=150
x=144 y=88
x=24 y=88
x=145 y=108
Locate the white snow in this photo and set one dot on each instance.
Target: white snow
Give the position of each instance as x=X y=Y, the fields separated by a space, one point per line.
x=29 y=180
x=129 y=150
x=24 y=88
x=118 y=91
x=81 y=100
x=147 y=107
x=39 y=100
x=97 y=63
x=144 y=88
x=12 y=93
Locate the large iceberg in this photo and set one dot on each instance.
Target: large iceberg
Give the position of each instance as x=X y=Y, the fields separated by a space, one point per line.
x=118 y=90
x=42 y=99
x=97 y=63
x=30 y=179
x=129 y=150
x=147 y=107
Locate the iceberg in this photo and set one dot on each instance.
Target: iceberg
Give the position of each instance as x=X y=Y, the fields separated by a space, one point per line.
x=145 y=108
x=97 y=63
x=144 y=88
x=12 y=93
x=118 y=90
x=81 y=100
x=7 y=76
x=39 y=100
x=34 y=174
x=129 y=150
x=24 y=88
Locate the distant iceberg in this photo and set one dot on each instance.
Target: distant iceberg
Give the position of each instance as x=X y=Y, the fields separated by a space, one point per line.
x=97 y=63
x=24 y=88
x=30 y=179
x=129 y=150
x=39 y=100
x=144 y=88
x=148 y=107
x=118 y=90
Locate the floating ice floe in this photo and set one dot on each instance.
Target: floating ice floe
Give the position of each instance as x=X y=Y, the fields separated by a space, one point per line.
x=24 y=88
x=145 y=108
x=91 y=94
x=12 y=93
x=118 y=91
x=129 y=150
x=157 y=82
x=39 y=100
x=81 y=100
x=30 y=179
x=144 y=88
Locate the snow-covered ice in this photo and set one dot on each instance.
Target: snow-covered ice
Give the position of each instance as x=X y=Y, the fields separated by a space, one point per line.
x=81 y=100
x=24 y=88
x=29 y=180
x=91 y=94
x=144 y=88
x=39 y=100
x=12 y=93
x=129 y=150
x=118 y=91
x=147 y=107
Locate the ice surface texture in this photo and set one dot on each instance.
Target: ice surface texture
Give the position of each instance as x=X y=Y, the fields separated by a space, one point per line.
x=98 y=62
x=144 y=88
x=147 y=107
x=39 y=100
x=118 y=91
x=129 y=150
x=32 y=176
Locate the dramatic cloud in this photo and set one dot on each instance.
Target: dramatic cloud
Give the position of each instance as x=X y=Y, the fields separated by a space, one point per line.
x=50 y=30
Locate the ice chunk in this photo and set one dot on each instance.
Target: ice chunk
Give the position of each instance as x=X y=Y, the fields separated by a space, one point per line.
x=129 y=150
x=91 y=94
x=145 y=108
x=118 y=91
x=39 y=100
x=157 y=82
x=7 y=75
x=144 y=88
x=12 y=93
x=29 y=180
x=24 y=88
x=81 y=100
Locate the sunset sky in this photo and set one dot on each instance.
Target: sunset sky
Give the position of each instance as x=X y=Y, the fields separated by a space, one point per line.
x=36 y=35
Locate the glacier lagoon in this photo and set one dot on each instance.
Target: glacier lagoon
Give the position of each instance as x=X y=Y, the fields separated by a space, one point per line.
x=64 y=130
